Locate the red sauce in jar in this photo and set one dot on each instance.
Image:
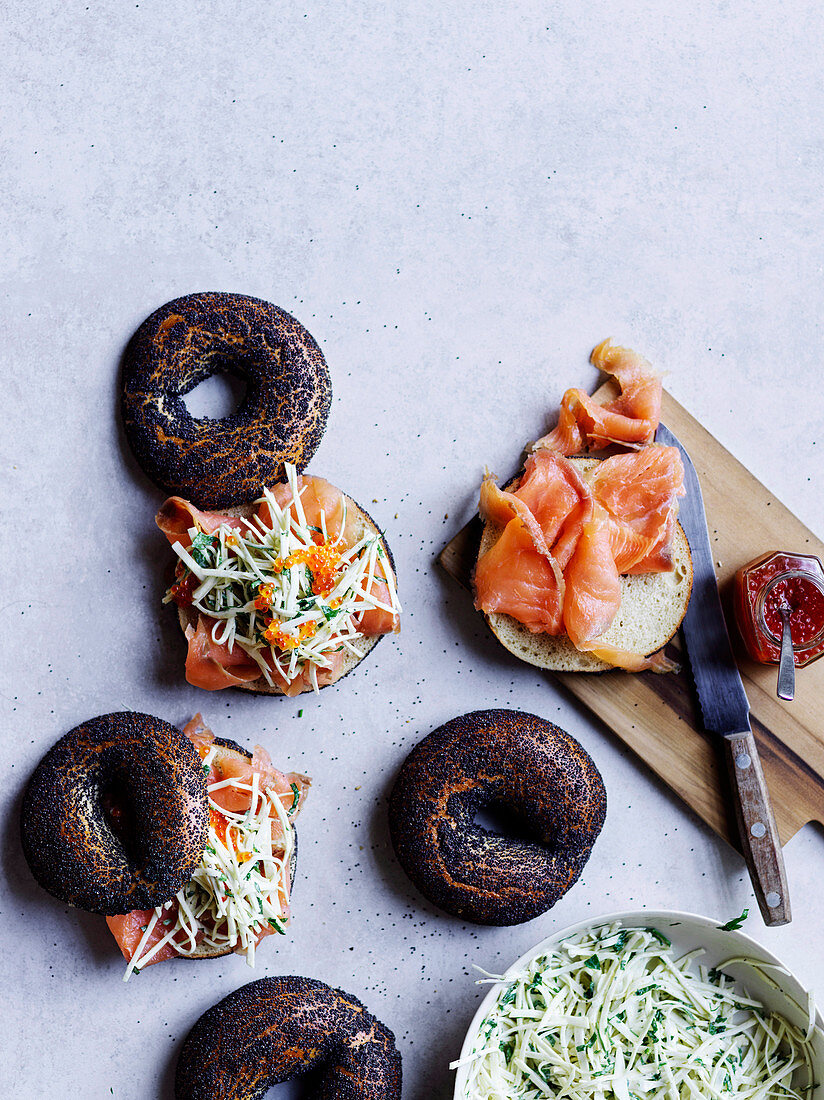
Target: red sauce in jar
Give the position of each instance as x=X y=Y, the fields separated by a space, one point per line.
x=763 y=587
x=805 y=601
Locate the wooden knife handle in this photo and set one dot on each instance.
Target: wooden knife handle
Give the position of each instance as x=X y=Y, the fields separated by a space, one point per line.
x=756 y=825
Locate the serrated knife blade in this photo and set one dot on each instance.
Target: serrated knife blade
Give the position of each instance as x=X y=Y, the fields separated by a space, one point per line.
x=724 y=705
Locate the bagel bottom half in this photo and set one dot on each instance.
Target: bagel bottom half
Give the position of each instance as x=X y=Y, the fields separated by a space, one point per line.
x=652 y=608
x=362 y=645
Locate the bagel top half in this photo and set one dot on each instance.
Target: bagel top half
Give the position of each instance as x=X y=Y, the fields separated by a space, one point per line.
x=281 y=418
x=363 y=645
x=152 y=772
x=652 y=608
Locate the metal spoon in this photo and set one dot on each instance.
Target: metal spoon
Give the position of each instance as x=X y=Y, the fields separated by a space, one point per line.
x=786 y=663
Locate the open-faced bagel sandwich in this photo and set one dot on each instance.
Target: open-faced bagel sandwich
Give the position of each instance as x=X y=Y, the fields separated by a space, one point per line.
x=185 y=842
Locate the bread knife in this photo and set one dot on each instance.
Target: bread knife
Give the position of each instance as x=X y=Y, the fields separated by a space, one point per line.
x=724 y=706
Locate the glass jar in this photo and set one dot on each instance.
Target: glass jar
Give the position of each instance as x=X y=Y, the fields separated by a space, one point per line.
x=774 y=580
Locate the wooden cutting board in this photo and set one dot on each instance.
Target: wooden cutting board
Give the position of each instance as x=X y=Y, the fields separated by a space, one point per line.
x=657 y=716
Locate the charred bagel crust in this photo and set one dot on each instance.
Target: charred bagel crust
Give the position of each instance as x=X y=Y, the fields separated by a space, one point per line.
x=496 y=757
x=67 y=840
x=363 y=645
x=215 y=463
x=224 y=747
x=273 y=1029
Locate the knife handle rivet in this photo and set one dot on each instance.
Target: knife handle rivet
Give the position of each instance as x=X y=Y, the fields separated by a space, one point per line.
x=758 y=829
x=743 y=761
x=773 y=899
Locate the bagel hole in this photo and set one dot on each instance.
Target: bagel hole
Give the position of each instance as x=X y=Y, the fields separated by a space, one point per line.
x=118 y=812
x=501 y=819
x=303 y=1087
x=219 y=395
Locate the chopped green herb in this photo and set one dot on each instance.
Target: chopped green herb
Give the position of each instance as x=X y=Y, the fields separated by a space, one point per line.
x=659 y=936
x=735 y=923
x=202 y=544
x=295 y=798
x=593 y=962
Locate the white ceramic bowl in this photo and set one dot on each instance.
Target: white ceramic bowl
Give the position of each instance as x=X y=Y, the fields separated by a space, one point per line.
x=687 y=931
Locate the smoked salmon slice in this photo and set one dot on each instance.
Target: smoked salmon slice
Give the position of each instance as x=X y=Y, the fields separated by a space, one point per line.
x=594 y=597
x=639 y=492
x=631 y=419
x=177 y=516
x=593 y=587
x=515 y=578
x=211 y=665
x=522 y=574
x=323 y=505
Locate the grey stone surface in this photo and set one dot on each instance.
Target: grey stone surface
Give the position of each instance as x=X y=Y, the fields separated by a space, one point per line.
x=458 y=201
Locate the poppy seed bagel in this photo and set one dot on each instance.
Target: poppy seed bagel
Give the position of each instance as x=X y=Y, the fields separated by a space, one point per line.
x=505 y=758
x=68 y=840
x=273 y=1029
x=215 y=463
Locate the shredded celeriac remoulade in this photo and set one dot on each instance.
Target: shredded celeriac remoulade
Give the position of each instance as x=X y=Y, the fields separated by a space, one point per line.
x=612 y=1013
x=242 y=884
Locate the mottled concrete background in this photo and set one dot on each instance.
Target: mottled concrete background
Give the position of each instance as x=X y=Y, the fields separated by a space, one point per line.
x=458 y=200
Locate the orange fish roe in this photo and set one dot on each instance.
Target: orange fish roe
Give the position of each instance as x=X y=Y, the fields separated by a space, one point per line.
x=219 y=823
x=184 y=585
x=182 y=591
x=263 y=600
x=323 y=560
x=287 y=639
